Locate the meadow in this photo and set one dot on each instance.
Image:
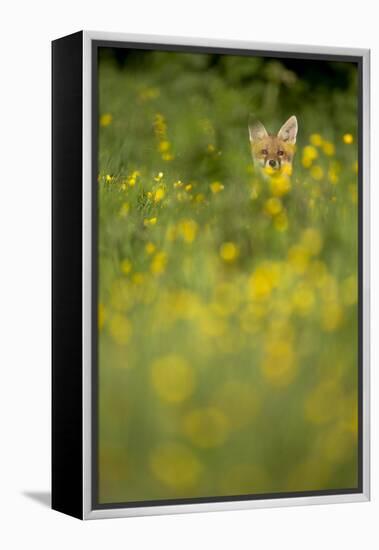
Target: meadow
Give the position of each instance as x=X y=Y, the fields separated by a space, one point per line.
x=228 y=316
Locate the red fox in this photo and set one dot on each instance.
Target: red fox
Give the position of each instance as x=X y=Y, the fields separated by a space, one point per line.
x=274 y=152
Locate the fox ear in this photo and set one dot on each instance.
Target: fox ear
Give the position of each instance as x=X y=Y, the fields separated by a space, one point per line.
x=256 y=130
x=288 y=131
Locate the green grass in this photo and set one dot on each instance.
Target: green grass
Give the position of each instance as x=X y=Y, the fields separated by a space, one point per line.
x=227 y=300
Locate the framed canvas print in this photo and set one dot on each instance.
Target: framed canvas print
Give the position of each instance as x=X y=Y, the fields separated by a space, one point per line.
x=210 y=275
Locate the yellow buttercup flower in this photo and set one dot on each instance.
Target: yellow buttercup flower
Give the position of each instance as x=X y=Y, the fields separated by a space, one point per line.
x=106 y=119
x=348 y=139
x=126 y=266
x=265 y=278
x=158 y=264
x=164 y=146
x=159 y=176
x=329 y=148
x=273 y=206
x=188 y=229
x=159 y=194
x=280 y=186
x=150 y=248
x=150 y=221
x=309 y=154
x=167 y=156
x=229 y=252
x=216 y=187
x=316 y=140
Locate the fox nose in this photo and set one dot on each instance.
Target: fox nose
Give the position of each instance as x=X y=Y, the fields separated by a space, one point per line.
x=272 y=163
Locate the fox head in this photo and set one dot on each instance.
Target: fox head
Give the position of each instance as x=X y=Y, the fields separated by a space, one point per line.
x=270 y=150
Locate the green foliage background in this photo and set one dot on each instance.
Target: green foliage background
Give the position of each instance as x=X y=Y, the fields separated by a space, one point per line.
x=227 y=300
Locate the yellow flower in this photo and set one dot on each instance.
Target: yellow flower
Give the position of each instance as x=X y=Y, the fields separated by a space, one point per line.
x=159 y=194
x=216 y=187
x=158 y=264
x=188 y=187
x=150 y=248
x=348 y=139
x=328 y=148
x=280 y=186
x=310 y=153
x=207 y=427
x=106 y=119
x=188 y=230
x=264 y=279
x=229 y=252
x=164 y=146
x=133 y=178
x=167 y=156
x=126 y=266
x=120 y=329
x=178 y=184
x=108 y=178
x=317 y=173
x=173 y=378
x=176 y=466
x=316 y=140
x=160 y=126
x=150 y=221
x=159 y=176
x=273 y=206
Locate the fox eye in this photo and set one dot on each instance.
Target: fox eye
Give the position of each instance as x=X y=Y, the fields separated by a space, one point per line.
x=280 y=153
x=264 y=152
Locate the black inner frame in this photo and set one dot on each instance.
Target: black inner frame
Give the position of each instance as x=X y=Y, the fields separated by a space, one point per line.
x=96 y=44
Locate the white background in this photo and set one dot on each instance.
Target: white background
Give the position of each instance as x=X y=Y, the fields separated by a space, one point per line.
x=27 y=29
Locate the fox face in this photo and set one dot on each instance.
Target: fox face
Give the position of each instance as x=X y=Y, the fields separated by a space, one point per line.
x=273 y=151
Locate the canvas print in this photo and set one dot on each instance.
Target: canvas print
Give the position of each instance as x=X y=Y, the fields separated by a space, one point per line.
x=227 y=276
